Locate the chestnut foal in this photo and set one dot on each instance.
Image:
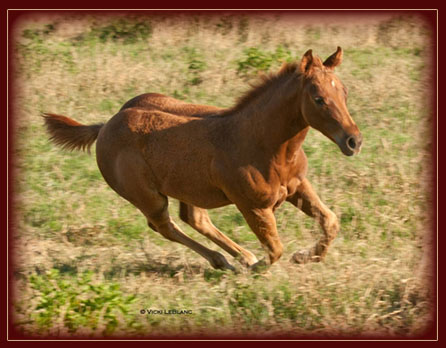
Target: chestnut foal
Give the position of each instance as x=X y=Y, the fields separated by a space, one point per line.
x=249 y=155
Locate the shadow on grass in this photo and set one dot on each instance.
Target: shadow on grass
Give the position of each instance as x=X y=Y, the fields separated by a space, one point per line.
x=150 y=265
x=154 y=267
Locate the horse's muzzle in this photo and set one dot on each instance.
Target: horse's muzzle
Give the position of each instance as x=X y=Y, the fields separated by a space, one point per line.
x=352 y=145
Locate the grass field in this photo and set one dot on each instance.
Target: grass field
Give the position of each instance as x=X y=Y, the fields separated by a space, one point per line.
x=85 y=262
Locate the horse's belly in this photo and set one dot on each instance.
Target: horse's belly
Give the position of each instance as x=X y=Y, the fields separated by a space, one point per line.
x=206 y=197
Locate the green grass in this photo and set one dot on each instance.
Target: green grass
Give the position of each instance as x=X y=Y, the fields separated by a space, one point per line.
x=82 y=249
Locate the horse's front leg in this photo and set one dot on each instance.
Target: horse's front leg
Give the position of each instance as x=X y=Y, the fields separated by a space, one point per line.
x=308 y=201
x=263 y=223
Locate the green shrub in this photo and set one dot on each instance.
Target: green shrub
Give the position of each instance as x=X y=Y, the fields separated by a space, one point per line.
x=78 y=302
x=126 y=31
x=255 y=60
x=195 y=65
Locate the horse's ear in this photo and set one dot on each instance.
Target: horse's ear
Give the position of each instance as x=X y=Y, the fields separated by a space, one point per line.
x=334 y=60
x=306 y=62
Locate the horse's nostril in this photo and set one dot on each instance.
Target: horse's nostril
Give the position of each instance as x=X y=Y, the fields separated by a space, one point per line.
x=351 y=142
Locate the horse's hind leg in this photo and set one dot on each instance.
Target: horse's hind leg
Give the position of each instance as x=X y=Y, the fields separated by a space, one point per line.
x=198 y=219
x=132 y=181
x=163 y=223
x=308 y=201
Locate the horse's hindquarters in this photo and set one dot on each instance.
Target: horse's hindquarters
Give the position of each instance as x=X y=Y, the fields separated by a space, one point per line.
x=124 y=170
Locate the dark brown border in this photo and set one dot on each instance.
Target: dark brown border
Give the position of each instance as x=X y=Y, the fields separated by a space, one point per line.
x=13 y=16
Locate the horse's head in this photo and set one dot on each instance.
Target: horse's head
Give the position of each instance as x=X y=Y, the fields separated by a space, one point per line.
x=324 y=99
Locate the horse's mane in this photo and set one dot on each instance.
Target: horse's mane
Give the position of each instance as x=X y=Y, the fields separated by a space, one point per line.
x=264 y=82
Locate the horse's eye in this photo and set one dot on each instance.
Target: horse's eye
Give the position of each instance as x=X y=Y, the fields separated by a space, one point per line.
x=319 y=101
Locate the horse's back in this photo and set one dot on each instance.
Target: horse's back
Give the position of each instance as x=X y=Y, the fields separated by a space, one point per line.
x=156 y=101
x=146 y=100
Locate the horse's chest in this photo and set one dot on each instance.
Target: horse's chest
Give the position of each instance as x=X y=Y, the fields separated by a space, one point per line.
x=285 y=190
x=281 y=196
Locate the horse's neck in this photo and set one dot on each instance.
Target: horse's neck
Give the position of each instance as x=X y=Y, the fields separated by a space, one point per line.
x=273 y=121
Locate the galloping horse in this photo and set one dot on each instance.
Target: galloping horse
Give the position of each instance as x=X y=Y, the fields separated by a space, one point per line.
x=249 y=155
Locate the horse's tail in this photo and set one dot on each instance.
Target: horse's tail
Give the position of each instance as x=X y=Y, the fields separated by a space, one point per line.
x=70 y=134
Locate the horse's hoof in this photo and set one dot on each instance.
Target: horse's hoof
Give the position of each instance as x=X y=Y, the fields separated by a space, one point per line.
x=303 y=256
x=247 y=262
x=220 y=262
x=260 y=266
